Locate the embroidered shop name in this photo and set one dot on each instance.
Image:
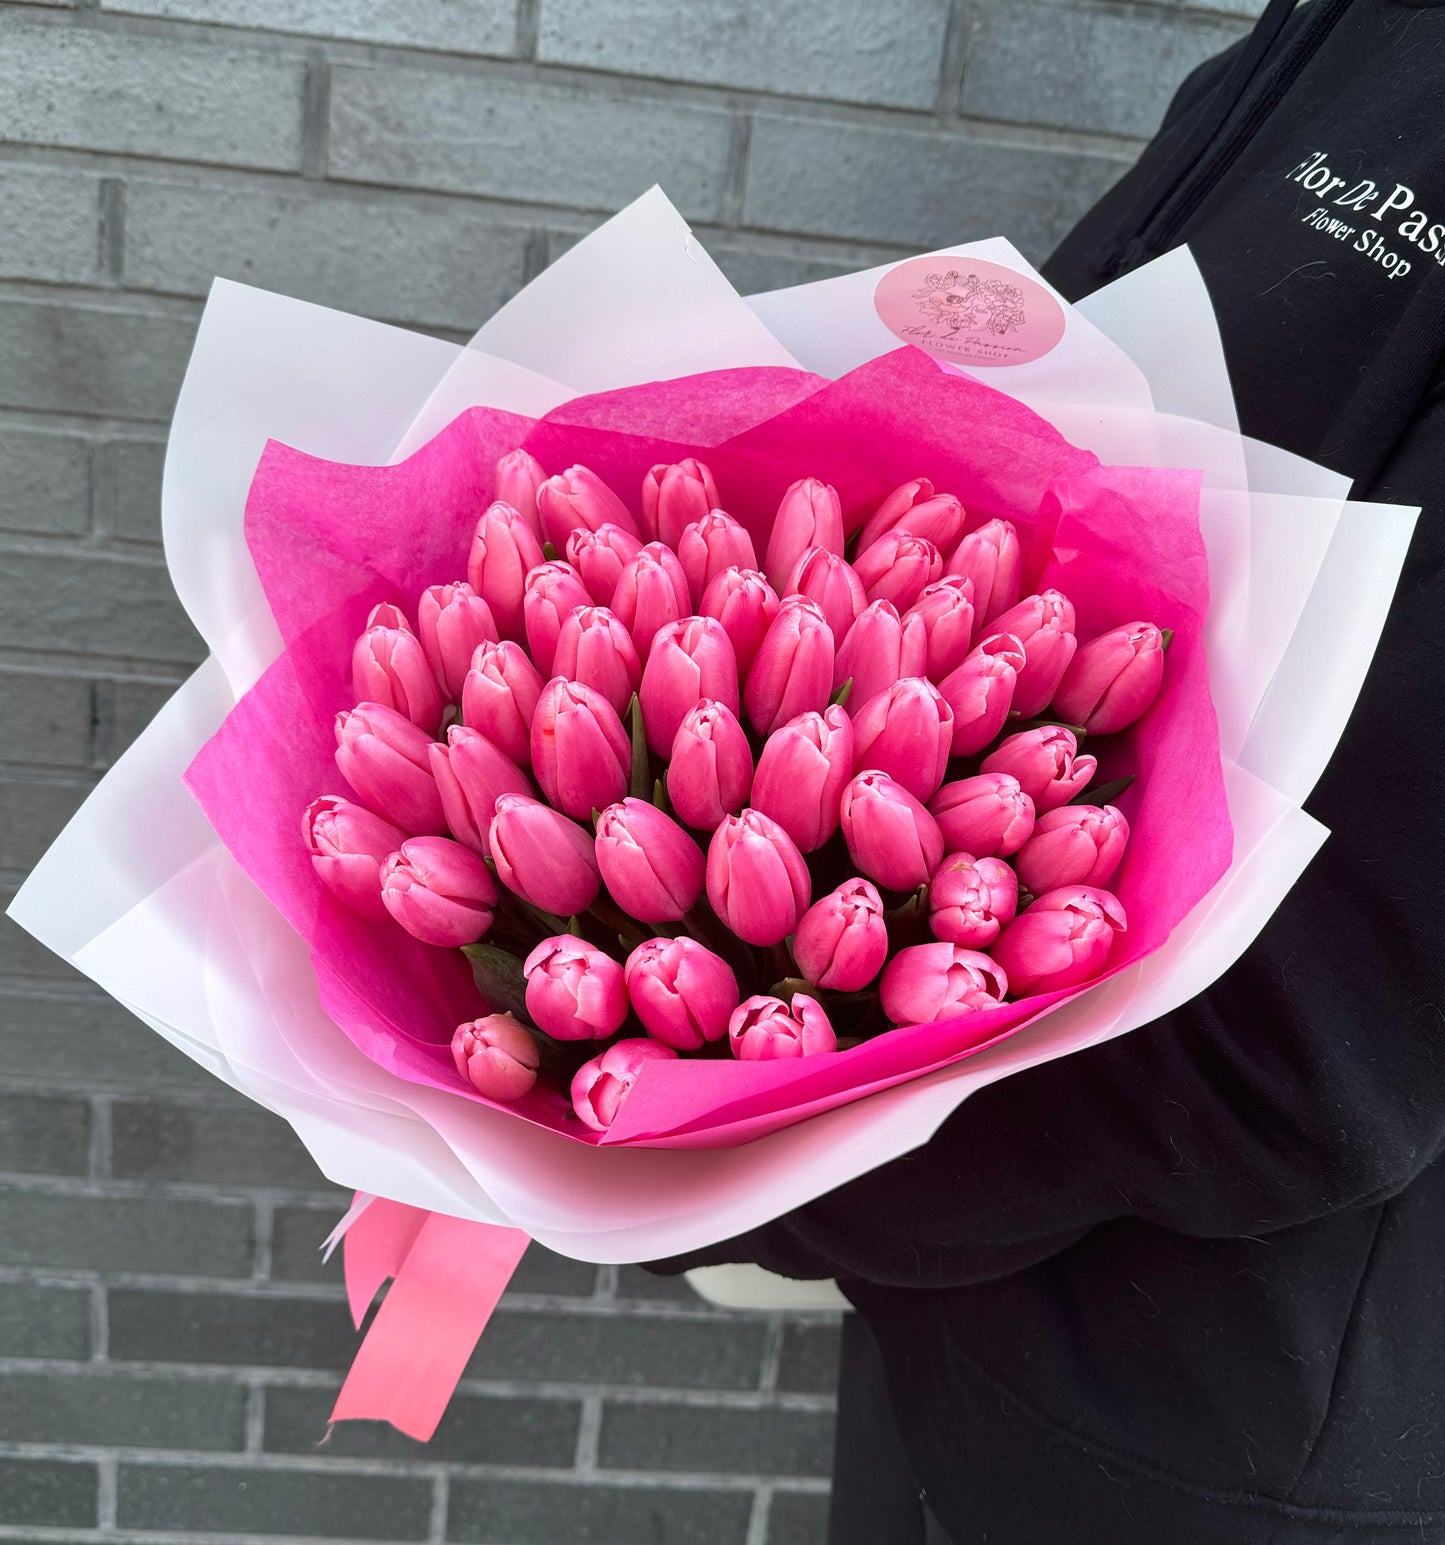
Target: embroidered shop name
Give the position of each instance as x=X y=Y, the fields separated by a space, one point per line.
x=1370 y=201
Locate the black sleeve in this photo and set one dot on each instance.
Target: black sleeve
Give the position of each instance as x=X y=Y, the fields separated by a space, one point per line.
x=1308 y=1079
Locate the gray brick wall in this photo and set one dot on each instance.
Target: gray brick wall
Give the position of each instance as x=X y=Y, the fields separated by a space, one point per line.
x=170 y=1342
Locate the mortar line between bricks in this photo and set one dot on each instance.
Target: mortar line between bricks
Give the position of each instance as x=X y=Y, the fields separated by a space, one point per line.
x=953 y=62
x=772 y=1354
x=100 y=1137
x=315 y=115
x=106 y=1487
x=440 y=1498
x=254 y=1422
x=589 y=1435
x=99 y=1324
x=112 y=230
x=528 y=27
x=735 y=179
x=265 y=1222
x=758 y=1519
x=604 y=1290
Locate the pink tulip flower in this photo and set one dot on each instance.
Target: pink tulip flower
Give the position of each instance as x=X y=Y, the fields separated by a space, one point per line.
x=991 y=558
x=385 y=758
x=579 y=498
x=842 y=941
x=691 y=660
x=581 y=753
x=708 y=546
x=542 y=856
x=829 y=580
x=439 y=891
x=890 y=836
x=470 y=773
x=945 y=612
x=906 y=732
x=676 y=497
x=653 y=869
x=970 y=899
x=930 y=982
x=757 y=880
x=682 y=993
x=600 y=1086
x=898 y=568
x=1046 y=763
x=915 y=508
x=575 y=991
x=1113 y=679
x=552 y=590
x=793 y=671
x=980 y=692
x=801 y=774
x=519 y=476
x=497 y=1056
x=810 y=515
x=1074 y=845
x=651 y=592
x=600 y=556
x=1044 y=625
x=710 y=772
x=595 y=649
x=499 y=698
x=763 y=1029
x=880 y=648
x=389 y=666
x=746 y=604
x=1061 y=940
x=348 y=845
x=453 y=621
x=504 y=551
x=988 y=815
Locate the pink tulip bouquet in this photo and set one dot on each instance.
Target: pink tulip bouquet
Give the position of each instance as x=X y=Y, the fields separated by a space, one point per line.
x=655 y=763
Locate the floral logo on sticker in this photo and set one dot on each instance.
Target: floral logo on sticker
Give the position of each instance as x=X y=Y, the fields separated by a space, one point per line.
x=969 y=312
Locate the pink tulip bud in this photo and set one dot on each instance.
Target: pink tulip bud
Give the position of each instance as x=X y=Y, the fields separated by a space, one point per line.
x=988 y=815
x=390 y=667
x=898 y=568
x=348 y=845
x=552 y=590
x=1074 y=845
x=691 y=660
x=675 y=497
x=651 y=592
x=1113 y=679
x=579 y=498
x=682 y=993
x=542 y=856
x=1044 y=625
x=810 y=515
x=890 y=836
x=829 y=580
x=1061 y=940
x=880 y=649
x=499 y=698
x=945 y=612
x=710 y=545
x=763 y=1029
x=653 y=869
x=757 y=880
x=504 y=551
x=595 y=649
x=385 y=758
x=710 y=772
x=497 y=1055
x=599 y=557
x=745 y=603
x=519 y=476
x=793 y=671
x=575 y=991
x=991 y=558
x=440 y=892
x=914 y=507
x=600 y=1086
x=930 y=982
x=453 y=621
x=470 y=773
x=980 y=692
x=842 y=940
x=1046 y=763
x=801 y=773
x=906 y=732
x=970 y=899
x=581 y=753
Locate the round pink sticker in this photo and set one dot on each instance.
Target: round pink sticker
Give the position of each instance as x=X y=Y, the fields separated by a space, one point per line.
x=969 y=312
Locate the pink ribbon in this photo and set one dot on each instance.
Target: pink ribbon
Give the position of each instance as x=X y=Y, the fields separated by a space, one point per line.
x=447 y=1275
